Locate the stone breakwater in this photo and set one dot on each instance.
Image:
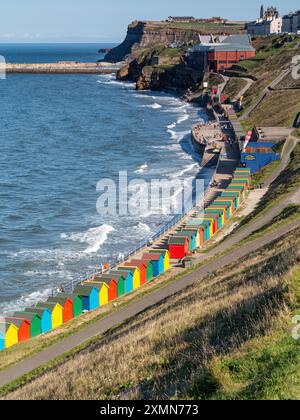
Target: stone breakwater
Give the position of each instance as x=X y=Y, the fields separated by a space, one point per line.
x=62 y=67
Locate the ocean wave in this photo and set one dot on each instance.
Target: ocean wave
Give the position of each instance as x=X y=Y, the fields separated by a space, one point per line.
x=178 y=136
x=141 y=169
x=188 y=168
x=94 y=237
x=153 y=106
x=183 y=118
x=171 y=126
x=25 y=301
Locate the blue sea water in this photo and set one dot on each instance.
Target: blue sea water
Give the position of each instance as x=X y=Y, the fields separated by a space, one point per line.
x=60 y=135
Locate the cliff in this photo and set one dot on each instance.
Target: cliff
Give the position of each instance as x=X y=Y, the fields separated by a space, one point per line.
x=143 y=34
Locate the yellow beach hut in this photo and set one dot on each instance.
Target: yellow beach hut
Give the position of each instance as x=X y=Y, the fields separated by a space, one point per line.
x=56 y=313
x=10 y=334
x=103 y=289
x=136 y=275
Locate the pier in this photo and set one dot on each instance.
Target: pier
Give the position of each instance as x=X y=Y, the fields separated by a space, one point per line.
x=62 y=67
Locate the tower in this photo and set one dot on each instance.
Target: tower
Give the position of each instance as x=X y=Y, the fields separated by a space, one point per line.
x=262 y=12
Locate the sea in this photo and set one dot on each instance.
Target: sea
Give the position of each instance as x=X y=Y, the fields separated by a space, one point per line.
x=60 y=135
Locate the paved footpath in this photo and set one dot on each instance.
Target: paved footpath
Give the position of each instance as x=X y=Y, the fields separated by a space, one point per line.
x=137 y=307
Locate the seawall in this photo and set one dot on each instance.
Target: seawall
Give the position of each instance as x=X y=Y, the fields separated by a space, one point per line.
x=61 y=68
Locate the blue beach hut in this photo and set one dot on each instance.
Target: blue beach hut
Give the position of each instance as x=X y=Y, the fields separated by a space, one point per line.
x=90 y=297
x=46 y=318
x=157 y=262
x=2 y=341
x=128 y=277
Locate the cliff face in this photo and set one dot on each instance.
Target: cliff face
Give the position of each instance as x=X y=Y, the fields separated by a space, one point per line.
x=145 y=34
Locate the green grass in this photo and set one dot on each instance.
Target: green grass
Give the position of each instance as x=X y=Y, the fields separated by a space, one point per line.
x=260 y=176
x=266 y=368
x=234 y=86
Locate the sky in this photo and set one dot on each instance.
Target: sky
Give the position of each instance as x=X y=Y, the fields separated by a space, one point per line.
x=106 y=21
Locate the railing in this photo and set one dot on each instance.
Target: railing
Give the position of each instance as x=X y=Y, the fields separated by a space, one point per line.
x=115 y=261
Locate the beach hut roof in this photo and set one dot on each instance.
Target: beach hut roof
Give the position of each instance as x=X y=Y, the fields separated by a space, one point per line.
x=29 y=316
x=97 y=284
x=175 y=240
x=4 y=327
x=124 y=274
x=62 y=300
x=18 y=322
x=70 y=296
x=50 y=305
x=84 y=290
x=153 y=257
x=137 y=263
x=108 y=279
x=118 y=274
x=159 y=251
x=129 y=268
x=38 y=311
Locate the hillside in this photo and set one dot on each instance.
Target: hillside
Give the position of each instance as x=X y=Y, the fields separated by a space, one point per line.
x=144 y=34
x=274 y=56
x=228 y=337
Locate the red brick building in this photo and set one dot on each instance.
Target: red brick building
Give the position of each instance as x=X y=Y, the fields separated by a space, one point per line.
x=219 y=56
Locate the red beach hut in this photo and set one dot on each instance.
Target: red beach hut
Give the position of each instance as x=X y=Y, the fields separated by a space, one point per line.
x=178 y=247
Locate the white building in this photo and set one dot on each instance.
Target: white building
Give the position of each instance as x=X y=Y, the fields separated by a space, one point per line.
x=266 y=27
x=268 y=23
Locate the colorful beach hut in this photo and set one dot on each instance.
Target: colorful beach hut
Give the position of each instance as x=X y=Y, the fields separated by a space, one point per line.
x=2 y=339
x=226 y=207
x=112 y=285
x=90 y=297
x=136 y=275
x=126 y=279
x=102 y=288
x=166 y=255
x=45 y=316
x=157 y=262
x=229 y=201
x=149 y=269
x=222 y=210
x=8 y=335
x=205 y=224
x=217 y=218
x=56 y=313
x=198 y=234
x=141 y=266
x=77 y=305
x=178 y=247
x=193 y=233
x=34 y=319
x=22 y=325
x=234 y=195
x=66 y=304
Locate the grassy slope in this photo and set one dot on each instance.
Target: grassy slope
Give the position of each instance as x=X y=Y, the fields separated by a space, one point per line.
x=199 y=343
x=201 y=27
x=234 y=86
x=274 y=54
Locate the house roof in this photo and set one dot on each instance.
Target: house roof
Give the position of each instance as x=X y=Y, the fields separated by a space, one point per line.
x=240 y=42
